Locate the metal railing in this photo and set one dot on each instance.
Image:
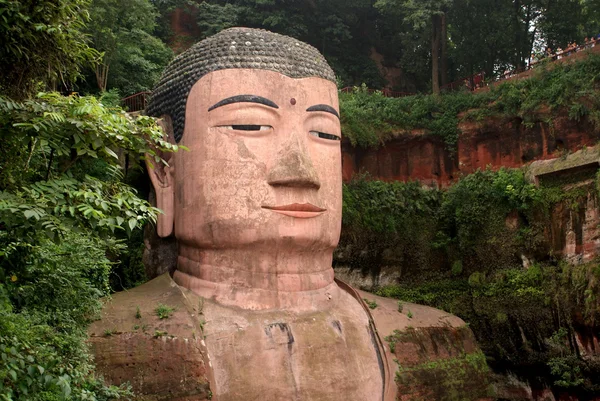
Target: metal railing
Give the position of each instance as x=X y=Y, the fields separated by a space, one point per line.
x=136 y=102
x=384 y=92
x=471 y=83
x=139 y=101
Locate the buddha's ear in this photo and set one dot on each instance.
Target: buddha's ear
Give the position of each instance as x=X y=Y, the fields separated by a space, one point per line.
x=162 y=176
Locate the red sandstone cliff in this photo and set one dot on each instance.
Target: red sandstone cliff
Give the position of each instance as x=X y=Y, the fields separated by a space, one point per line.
x=494 y=143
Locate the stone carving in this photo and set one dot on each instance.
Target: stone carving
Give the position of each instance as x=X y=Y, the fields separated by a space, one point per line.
x=256 y=208
x=255 y=205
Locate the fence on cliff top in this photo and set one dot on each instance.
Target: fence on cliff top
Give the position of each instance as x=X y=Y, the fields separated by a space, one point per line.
x=384 y=92
x=138 y=101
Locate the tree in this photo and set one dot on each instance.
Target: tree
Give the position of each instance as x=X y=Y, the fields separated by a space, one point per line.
x=422 y=15
x=42 y=43
x=62 y=199
x=123 y=32
x=341 y=30
x=481 y=37
x=563 y=22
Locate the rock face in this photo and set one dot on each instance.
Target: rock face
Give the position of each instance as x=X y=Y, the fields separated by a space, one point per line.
x=495 y=143
x=573 y=233
x=434 y=354
x=162 y=359
x=203 y=349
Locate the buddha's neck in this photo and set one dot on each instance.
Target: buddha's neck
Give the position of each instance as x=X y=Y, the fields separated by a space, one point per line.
x=259 y=278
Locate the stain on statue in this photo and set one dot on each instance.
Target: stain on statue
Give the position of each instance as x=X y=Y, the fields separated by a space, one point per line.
x=255 y=205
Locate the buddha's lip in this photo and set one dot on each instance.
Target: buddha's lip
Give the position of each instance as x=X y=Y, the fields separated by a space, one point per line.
x=296 y=207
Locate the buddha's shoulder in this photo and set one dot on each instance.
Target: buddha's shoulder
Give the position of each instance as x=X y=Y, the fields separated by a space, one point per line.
x=428 y=343
x=151 y=336
x=159 y=304
x=392 y=315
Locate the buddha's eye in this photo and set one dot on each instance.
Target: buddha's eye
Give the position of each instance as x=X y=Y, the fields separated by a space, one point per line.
x=248 y=127
x=323 y=135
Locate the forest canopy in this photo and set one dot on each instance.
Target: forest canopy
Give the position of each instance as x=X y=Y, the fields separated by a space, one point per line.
x=404 y=45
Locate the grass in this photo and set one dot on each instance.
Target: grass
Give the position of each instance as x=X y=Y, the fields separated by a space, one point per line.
x=371 y=304
x=163 y=311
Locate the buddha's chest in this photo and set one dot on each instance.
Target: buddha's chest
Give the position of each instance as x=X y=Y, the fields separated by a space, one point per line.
x=320 y=356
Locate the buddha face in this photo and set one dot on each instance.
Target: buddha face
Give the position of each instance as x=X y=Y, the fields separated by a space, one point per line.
x=263 y=166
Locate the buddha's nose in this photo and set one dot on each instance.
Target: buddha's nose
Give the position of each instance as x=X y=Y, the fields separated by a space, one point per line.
x=293 y=167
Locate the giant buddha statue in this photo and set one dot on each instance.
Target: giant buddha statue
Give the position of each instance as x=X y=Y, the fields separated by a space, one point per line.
x=252 y=311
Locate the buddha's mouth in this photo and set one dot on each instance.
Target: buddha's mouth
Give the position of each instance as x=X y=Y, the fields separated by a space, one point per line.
x=299 y=210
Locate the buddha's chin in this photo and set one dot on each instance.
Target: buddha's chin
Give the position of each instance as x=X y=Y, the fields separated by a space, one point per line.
x=277 y=234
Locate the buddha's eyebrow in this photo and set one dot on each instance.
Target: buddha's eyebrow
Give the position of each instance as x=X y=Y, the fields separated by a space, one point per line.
x=324 y=107
x=244 y=99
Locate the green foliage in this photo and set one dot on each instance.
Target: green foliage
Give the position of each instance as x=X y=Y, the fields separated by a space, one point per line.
x=483 y=228
x=62 y=202
x=343 y=31
x=567 y=371
x=449 y=379
x=54 y=138
x=444 y=294
x=514 y=314
x=473 y=218
x=46 y=302
x=368 y=120
x=370 y=304
x=163 y=311
x=391 y=340
x=466 y=223
x=132 y=57
x=385 y=207
x=42 y=43
x=367 y=40
x=378 y=216
x=111 y=98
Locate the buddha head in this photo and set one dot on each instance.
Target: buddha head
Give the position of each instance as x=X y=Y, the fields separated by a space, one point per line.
x=258 y=113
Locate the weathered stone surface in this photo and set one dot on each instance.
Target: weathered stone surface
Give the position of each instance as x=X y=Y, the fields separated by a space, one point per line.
x=434 y=354
x=495 y=143
x=162 y=359
x=573 y=233
x=160 y=254
x=281 y=355
x=202 y=342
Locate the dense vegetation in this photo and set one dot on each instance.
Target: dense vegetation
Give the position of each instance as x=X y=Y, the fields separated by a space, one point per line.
x=422 y=44
x=370 y=119
x=407 y=45
x=66 y=210
x=63 y=205
x=481 y=250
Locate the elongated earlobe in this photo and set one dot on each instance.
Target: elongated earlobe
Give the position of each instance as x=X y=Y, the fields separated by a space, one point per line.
x=162 y=177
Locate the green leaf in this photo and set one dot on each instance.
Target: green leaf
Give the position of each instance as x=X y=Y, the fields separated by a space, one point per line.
x=29 y=214
x=110 y=152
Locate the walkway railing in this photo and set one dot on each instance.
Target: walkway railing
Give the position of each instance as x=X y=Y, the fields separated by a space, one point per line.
x=550 y=58
x=136 y=102
x=384 y=92
x=476 y=81
x=471 y=83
